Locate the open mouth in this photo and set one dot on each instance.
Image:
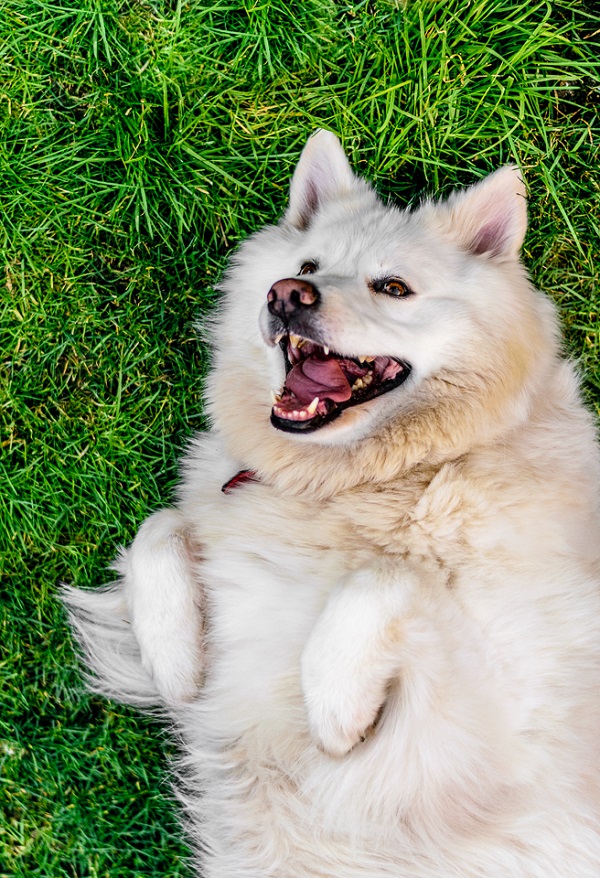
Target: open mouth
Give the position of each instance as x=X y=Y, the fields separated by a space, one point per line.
x=320 y=384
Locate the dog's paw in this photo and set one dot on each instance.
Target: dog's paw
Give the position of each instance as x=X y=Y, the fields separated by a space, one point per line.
x=176 y=665
x=164 y=599
x=343 y=704
x=353 y=655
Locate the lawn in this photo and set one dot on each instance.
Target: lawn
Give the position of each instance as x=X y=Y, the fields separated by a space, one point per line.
x=141 y=141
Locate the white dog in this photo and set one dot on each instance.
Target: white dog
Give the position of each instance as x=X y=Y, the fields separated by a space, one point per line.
x=374 y=611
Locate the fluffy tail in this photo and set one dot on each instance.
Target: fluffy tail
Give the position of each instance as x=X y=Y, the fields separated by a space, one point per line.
x=111 y=652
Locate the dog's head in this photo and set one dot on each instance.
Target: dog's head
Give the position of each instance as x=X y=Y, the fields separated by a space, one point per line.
x=353 y=323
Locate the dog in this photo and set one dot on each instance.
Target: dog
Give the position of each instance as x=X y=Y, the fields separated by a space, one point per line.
x=373 y=612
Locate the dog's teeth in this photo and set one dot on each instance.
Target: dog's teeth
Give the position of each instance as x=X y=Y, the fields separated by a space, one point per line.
x=358 y=384
x=295 y=341
x=367 y=379
x=278 y=338
x=369 y=359
x=311 y=409
x=361 y=359
x=325 y=350
x=276 y=397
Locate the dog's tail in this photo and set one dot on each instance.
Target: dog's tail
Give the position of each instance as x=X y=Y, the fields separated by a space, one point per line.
x=111 y=652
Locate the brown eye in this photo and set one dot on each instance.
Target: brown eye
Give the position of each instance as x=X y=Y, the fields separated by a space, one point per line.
x=308 y=268
x=392 y=286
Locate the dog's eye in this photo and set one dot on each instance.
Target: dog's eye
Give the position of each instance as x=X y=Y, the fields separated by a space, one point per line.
x=308 y=268
x=392 y=286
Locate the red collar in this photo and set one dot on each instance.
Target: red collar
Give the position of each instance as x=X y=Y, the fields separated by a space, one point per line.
x=244 y=475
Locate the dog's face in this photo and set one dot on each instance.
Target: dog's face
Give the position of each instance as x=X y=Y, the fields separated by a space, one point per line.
x=374 y=299
x=350 y=313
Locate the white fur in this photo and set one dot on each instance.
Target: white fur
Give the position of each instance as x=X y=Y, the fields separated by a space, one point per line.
x=397 y=626
x=164 y=604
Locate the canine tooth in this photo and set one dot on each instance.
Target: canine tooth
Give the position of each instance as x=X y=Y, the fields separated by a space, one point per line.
x=325 y=350
x=369 y=359
x=276 y=397
x=295 y=341
x=311 y=409
x=362 y=359
x=278 y=338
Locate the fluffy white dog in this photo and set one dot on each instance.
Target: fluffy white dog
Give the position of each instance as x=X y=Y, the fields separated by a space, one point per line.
x=374 y=611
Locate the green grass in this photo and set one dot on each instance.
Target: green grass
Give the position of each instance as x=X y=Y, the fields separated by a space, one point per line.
x=140 y=142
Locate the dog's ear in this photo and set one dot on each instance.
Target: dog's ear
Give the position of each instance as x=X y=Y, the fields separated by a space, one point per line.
x=490 y=217
x=322 y=174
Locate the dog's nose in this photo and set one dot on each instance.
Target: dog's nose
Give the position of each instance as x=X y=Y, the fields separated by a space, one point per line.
x=291 y=295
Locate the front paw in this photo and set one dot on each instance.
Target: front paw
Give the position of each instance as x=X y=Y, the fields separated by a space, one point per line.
x=343 y=704
x=164 y=599
x=354 y=654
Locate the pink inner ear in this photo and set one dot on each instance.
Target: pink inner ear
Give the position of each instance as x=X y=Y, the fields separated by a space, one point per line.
x=310 y=204
x=491 y=238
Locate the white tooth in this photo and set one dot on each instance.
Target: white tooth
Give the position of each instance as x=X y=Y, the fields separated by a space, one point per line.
x=361 y=359
x=367 y=379
x=276 y=397
x=278 y=338
x=370 y=359
x=358 y=384
x=325 y=350
x=311 y=409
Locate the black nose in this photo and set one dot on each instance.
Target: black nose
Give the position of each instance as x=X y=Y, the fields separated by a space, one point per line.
x=289 y=296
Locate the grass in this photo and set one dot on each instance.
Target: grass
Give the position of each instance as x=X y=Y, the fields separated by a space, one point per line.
x=140 y=142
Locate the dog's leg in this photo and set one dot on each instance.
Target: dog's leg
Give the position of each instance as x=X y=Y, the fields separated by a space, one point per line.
x=143 y=636
x=352 y=655
x=164 y=600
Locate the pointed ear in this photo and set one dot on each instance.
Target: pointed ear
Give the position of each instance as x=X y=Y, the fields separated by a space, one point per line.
x=491 y=216
x=322 y=173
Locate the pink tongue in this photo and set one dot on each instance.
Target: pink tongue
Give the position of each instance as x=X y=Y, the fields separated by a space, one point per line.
x=322 y=378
